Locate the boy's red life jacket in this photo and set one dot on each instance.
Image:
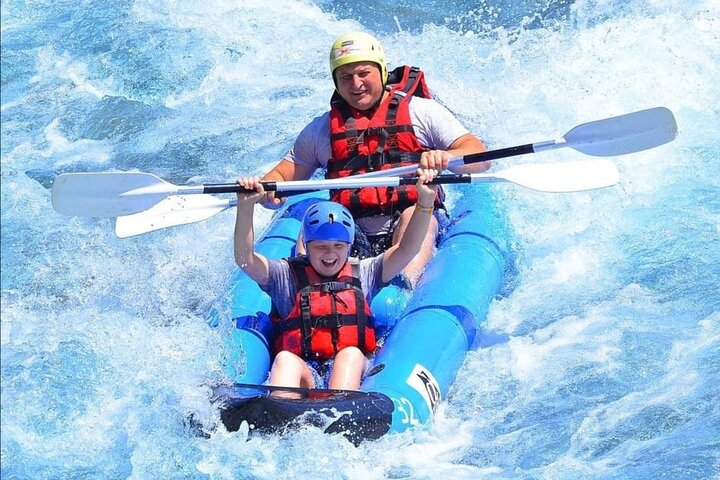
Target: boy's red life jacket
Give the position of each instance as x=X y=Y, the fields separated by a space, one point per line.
x=382 y=141
x=328 y=315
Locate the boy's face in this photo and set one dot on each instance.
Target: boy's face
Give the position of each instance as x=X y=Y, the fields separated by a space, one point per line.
x=327 y=257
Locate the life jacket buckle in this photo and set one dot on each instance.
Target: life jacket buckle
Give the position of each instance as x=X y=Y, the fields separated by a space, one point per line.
x=376 y=161
x=336 y=318
x=329 y=320
x=329 y=287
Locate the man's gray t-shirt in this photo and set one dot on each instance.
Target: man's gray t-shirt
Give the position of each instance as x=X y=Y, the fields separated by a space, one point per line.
x=281 y=285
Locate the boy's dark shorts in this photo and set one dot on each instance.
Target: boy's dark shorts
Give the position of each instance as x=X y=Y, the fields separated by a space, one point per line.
x=371 y=245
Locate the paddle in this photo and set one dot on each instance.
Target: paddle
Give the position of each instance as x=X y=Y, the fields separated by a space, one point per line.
x=632 y=132
x=173 y=211
x=122 y=193
x=556 y=177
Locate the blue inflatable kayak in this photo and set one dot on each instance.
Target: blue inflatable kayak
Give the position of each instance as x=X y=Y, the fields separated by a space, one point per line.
x=427 y=333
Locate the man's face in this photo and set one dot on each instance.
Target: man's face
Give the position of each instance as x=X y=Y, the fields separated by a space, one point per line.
x=327 y=257
x=359 y=84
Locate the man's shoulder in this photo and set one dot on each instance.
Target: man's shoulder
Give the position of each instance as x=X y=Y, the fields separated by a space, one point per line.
x=317 y=127
x=424 y=104
x=321 y=121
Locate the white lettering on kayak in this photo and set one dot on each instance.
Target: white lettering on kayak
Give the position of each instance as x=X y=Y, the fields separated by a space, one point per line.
x=405 y=408
x=423 y=381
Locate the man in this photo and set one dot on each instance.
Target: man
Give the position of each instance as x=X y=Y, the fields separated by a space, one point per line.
x=378 y=120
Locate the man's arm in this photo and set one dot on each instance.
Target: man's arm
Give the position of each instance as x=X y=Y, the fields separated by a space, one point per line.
x=441 y=132
x=302 y=160
x=284 y=171
x=464 y=145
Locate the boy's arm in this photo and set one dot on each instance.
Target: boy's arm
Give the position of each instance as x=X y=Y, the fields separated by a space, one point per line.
x=399 y=255
x=253 y=264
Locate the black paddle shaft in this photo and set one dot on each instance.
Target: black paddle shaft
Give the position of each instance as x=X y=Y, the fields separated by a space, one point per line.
x=439 y=179
x=278 y=186
x=495 y=154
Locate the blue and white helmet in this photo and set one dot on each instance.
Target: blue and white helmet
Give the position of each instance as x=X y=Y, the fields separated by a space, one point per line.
x=328 y=221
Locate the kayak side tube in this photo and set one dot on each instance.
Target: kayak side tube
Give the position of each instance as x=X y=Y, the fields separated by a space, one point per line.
x=419 y=360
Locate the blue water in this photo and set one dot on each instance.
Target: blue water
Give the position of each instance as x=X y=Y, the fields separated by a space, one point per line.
x=607 y=358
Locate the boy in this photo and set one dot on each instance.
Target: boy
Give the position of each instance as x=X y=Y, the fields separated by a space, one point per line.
x=322 y=298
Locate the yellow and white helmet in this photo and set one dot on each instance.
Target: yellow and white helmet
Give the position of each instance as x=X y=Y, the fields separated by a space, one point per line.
x=358 y=47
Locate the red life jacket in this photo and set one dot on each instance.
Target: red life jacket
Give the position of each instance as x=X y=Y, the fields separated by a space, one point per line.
x=328 y=315
x=384 y=140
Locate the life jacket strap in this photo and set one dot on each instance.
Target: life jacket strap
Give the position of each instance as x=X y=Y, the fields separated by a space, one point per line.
x=375 y=161
x=361 y=319
x=356 y=135
x=305 y=325
x=331 y=320
x=329 y=287
x=335 y=329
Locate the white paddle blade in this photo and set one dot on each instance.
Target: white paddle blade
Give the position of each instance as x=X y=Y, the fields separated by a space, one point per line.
x=107 y=194
x=563 y=177
x=170 y=212
x=623 y=134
